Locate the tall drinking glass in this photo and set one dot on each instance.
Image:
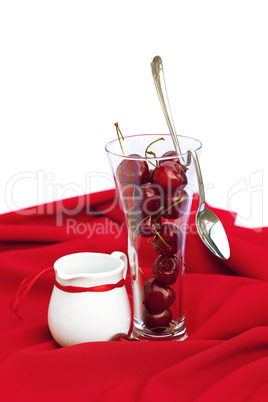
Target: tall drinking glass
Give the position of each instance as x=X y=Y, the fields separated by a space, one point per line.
x=155 y=193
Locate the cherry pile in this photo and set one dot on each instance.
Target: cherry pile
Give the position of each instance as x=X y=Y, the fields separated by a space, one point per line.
x=158 y=197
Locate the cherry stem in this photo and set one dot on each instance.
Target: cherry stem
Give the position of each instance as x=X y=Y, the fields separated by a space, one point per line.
x=119 y=134
x=151 y=152
x=176 y=203
x=158 y=216
x=139 y=268
x=154 y=155
x=160 y=237
x=156 y=245
x=135 y=231
x=171 y=329
x=166 y=262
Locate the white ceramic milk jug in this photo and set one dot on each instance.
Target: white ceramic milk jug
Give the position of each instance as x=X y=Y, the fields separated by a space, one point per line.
x=89 y=301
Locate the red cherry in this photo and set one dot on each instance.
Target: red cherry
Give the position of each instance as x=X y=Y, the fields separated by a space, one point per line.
x=132 y=172
x=156 y=297
x=150 y=176
x=147 y=199
x=172 y=154
x=166 y=269
x=121 y=337
x=179 y=209
x=173 y=158
x=170 y=176
x=168 y=240
x=157 y=322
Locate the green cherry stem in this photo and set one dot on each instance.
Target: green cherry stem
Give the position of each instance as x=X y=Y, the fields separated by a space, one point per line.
x=160 y=237
x=171 y=329
x=156 y=245
x=154 y=155
x=151 y=152
x=139 y=268
x=158 y=216
x=137 y=227
x=176 y=203
x=119 y=136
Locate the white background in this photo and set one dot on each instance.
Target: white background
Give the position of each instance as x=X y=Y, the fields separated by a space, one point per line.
x=70 y=69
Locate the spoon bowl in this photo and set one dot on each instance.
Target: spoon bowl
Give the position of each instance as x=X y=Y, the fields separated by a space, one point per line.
x=212 y=233
x=209 y=227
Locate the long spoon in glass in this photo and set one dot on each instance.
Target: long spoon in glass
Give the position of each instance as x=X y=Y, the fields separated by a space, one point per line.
x=160 y=85
x=209 y=227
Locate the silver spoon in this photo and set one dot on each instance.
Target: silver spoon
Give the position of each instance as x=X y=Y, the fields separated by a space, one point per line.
x=159 y=81
x=208 y=225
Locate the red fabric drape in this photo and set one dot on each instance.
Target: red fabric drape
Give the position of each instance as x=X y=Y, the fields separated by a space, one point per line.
x=225 y=357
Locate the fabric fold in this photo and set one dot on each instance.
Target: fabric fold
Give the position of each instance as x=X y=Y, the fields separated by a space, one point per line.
x=225 y=354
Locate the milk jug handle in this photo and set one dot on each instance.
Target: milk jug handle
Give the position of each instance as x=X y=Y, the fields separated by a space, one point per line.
x=123 y=257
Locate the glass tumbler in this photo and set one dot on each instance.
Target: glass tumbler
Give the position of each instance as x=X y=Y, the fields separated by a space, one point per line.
x=155 y=190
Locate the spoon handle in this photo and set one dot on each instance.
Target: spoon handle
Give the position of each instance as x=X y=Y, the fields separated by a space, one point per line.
x=159 y=81
x=199 y=179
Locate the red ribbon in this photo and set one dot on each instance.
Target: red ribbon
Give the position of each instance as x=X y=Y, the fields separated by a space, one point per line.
x=100 y=288
x=30 y=280
x=24 y=289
